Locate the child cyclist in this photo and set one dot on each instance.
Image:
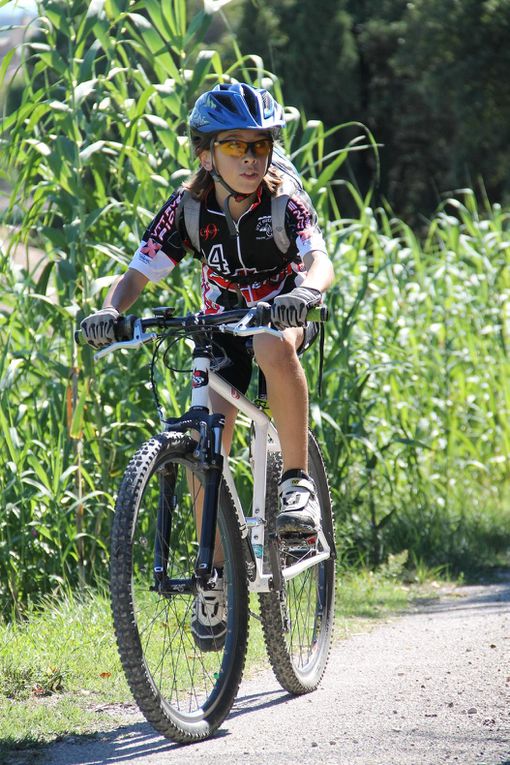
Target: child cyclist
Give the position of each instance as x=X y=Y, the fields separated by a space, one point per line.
x=233 y=128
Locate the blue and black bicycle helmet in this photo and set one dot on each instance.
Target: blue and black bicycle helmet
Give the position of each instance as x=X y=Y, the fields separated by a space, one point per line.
x=237 y=105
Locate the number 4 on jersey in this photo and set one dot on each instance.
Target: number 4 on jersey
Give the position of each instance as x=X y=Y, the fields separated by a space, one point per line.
x=217 y=259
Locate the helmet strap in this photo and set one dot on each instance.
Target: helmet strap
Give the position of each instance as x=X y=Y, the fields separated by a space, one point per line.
x=232 y=193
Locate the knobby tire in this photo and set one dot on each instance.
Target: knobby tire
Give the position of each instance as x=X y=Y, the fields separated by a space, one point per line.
x=183 y=692
x=298 y=637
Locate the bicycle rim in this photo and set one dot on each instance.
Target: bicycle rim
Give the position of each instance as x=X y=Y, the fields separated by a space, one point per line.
x=183 y=691
x=298 y=622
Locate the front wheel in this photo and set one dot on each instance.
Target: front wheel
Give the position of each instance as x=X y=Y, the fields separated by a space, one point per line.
x=185 y=686
x=297 y=622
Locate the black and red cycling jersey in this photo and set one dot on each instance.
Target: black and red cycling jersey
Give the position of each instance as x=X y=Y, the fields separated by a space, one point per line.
x=235 y=269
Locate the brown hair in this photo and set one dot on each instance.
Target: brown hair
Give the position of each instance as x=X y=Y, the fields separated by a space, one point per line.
x=201 y=182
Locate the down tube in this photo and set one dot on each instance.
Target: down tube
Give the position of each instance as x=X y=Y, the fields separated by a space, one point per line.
x=263 y=428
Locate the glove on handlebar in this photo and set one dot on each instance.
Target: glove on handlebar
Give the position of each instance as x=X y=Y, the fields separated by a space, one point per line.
x=290 y=310
x=99 y=327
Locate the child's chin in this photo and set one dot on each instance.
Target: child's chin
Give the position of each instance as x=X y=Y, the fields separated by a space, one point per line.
x=250 y=184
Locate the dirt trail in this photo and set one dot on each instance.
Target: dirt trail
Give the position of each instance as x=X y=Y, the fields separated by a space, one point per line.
x=428 y=688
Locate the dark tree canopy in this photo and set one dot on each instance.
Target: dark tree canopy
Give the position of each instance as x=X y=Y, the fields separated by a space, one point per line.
x=429 y=78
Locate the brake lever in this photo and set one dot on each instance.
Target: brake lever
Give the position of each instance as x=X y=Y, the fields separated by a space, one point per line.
x=243 y=326
x=139 y=338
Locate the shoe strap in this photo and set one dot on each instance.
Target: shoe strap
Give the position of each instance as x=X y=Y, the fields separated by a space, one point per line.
x=292 y=485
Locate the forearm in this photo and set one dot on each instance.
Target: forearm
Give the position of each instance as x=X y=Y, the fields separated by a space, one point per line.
x=319 y=271
x=125 y=290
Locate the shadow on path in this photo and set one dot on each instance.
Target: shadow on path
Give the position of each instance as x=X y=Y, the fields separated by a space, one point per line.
x=129 y=742
x=132 y=742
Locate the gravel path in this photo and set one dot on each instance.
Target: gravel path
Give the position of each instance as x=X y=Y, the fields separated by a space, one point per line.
x=428 y=688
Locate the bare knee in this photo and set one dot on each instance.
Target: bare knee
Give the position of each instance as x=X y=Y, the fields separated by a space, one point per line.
x=273 y=353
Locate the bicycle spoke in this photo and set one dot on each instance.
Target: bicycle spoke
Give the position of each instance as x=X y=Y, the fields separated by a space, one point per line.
x=160 y=652
x=298 y=640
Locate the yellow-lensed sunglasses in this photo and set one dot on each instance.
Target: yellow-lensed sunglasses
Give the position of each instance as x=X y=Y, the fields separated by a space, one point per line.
x=233 y=147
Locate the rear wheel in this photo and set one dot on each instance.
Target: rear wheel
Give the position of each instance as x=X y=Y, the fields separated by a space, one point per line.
x=298 y=621
x=184 y=691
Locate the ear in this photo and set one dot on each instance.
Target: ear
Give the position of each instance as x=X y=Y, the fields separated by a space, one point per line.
x=206 y=160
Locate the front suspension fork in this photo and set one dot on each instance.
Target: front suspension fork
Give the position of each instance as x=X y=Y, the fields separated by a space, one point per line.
x=209 y=452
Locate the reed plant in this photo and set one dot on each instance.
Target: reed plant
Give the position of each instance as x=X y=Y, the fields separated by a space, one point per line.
x=414 y=410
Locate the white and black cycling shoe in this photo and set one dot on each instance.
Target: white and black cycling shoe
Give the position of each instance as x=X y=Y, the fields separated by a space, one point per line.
x=300 y=513
x=209 y=617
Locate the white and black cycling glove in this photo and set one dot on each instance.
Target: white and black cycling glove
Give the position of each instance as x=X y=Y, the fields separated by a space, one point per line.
x=290 y=310
x=99 y=327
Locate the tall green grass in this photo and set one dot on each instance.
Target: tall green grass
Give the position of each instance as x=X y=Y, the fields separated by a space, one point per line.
x=416 y=405
x=414 y=414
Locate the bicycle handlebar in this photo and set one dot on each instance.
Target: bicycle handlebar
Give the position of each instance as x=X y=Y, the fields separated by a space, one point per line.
x=130 y=331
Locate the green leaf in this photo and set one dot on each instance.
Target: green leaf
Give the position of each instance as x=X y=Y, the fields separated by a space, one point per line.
x=58 y=19
x=42 y=283
x=54 y=61
x=65 y=311
x=56 y=236
x=197 y=28
x=202 y=67
x=330 y=170
x=76 y=429
x=39 y=146
x=156 y=121
x=66 y=270
x=87 y=66
x=39 y=470
x=86 y=153
x=5 y=63
x=114 y=8
x=99 y=284
x=4 y=425
x=94 y=19
x=84 y=89
x=139 y=21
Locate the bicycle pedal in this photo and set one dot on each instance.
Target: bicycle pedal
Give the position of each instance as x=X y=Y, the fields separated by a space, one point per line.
x=301 y=545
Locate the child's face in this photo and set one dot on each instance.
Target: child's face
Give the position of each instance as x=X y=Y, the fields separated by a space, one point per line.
x=242 y=173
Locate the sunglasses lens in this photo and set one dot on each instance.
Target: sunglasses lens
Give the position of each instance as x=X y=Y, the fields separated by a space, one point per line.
x=262 y=148
x=233 y=148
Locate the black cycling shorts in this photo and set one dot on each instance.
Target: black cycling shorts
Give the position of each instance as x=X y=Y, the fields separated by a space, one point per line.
x=234 y=356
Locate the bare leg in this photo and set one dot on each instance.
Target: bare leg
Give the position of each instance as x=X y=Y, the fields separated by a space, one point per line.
x=219 y=404
x=287 y=392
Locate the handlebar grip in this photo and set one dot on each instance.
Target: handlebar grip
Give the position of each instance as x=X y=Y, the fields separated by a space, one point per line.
x=123 y=330
x=124 y=327
x=263 y=313
x=320 y=313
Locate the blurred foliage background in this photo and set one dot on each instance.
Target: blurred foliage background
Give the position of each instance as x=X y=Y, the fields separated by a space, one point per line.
x=427 y=77
x=383 y=123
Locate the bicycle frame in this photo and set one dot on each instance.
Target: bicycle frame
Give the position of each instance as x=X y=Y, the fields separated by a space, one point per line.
x=209 y=426
x=264 y=440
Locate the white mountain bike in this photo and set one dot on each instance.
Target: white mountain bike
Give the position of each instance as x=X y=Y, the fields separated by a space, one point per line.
x=162 y=558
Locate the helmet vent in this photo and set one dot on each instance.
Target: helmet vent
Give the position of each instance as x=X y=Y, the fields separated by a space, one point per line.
x=251 y=102
x=226 y=102
x=268 y=103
